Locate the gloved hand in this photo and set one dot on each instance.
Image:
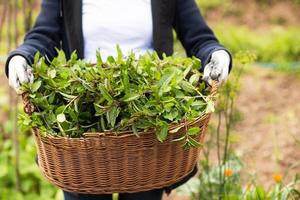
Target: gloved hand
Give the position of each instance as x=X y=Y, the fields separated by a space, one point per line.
x=218 y=67
x=18 y=72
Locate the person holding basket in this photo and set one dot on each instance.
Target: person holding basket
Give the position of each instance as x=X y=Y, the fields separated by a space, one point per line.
x=140 y=26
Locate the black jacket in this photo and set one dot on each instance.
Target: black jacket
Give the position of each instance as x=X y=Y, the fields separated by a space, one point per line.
x=59 y=25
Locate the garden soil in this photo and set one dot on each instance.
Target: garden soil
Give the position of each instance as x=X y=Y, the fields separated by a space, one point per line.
x=258 y=16
x=269 y=134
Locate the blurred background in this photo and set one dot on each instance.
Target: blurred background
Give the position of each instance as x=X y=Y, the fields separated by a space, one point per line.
x=265 y=129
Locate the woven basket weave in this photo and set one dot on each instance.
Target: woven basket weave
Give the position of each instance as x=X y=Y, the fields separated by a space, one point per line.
x=106 y=163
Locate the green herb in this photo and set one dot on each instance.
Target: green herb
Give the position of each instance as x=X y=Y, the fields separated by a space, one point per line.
x=74 y=96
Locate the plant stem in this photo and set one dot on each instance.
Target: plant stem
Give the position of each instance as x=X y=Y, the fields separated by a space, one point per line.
x=228 y=120
x=207 y=169
x=15 y=11
x=16 y=144
x=219 y=151
x=2 y=20
x=9 y=25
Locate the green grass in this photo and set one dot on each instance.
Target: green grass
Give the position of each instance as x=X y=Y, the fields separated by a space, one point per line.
x=275 y=45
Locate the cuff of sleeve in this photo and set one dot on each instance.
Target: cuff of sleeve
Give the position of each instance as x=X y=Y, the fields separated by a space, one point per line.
x=28 y=58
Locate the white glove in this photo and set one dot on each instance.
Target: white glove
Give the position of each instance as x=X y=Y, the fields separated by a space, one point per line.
x=218 y=67
x=18 y=72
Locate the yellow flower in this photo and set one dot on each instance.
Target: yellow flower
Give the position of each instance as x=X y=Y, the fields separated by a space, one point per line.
x=277 y=178
x=228 y=172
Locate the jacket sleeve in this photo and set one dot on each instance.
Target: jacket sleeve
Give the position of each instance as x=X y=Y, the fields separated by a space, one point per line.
x=193 y=32
x=44 y=37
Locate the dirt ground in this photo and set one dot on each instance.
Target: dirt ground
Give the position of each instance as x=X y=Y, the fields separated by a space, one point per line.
x=257 y=16
x=270 y=105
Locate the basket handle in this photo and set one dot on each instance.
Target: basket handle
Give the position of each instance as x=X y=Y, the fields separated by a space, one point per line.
x=28 y=106
x=214 y=85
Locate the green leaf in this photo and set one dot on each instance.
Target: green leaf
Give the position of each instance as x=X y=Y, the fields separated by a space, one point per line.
x=168 y=105
x=165 y=81
x=162 y=132
x=194 y=79
x=188 y=87
x=73 y=57
x=105 y=93
x=194 y=131
x=125 y=79
x=76 y=105
x=61 y=117
x=68 y=96
x=52 y=73
x=102 y=123
x=100 y=110
x=186 y=71
x=99 y=58
x=51 y=98
x=111 y=59
x=37 y=57
x=60 y=109
x=198 y=103
x=35 y=86
x=196 y=63
x=61 y=57
x=112 y=115
x=260 y=193
x=173 y=114
x=134 y=130
x=73 y=115
x=51 y=118
x=120 y=55
x=131 y=97
x=194 y=143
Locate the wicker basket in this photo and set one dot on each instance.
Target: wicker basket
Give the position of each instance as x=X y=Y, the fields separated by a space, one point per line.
x=106 y=163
